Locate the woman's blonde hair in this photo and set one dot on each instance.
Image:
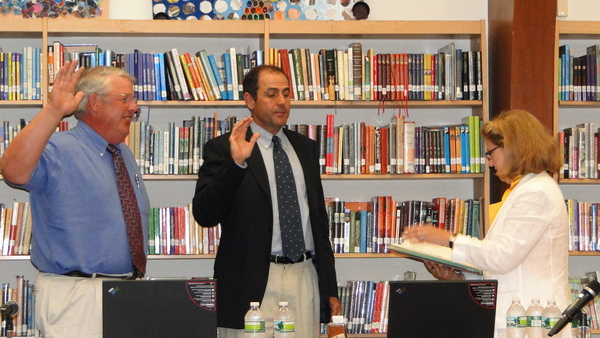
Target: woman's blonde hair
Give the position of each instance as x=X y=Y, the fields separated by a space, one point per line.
x=528 y=145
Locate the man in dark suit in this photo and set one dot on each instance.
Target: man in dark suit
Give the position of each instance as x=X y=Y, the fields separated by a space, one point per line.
x=236 y=188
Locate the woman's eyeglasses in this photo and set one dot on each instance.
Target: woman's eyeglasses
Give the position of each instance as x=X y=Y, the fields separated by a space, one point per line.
x=488 y=154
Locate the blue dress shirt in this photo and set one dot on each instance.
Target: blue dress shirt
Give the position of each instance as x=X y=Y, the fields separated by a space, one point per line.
x=77 y=220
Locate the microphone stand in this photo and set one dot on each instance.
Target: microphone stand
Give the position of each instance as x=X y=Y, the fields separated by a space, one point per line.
x=9 y=325
x=583 y=323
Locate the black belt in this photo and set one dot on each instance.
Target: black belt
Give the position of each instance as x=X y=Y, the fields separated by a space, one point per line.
x=77 y=273
x=286 y=260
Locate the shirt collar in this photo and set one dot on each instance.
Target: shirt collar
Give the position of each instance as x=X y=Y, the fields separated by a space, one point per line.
x=266 y=139
x=96 y=141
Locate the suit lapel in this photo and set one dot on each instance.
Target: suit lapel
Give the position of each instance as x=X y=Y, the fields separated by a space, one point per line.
x=256 y=165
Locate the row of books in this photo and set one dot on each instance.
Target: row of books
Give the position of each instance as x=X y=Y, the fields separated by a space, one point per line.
x=579 y=145
x=350 y=74
x=15 y=229
x=169 y=75
x=579 y=76
x=583 y=225
x=177 y=150
x=20 y=74
x=576 y=285
x=24 y=320
x=370 y=227
x=400 y=147
x=174 y=231
x=365 y=306
x=330 y=74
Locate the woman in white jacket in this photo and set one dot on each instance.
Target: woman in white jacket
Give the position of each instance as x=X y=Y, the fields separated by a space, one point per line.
x=526 y=247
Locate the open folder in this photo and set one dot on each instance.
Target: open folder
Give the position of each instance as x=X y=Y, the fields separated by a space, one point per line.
x=432 y=252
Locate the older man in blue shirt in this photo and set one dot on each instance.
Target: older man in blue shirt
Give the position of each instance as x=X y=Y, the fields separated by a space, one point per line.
x=79 y=233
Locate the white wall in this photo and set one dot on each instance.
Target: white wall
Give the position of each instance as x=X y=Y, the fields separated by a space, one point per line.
x=582 y=10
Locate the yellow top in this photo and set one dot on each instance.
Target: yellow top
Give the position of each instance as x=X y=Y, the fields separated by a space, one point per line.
x=493 y=210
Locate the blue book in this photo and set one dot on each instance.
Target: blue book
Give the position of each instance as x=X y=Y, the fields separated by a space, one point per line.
x=162 y=75
x=37 y=73
x=362 y=215
x=218 y=78
x=464 y=149
x=156 y=90
x=150 y=77
x=228 y=76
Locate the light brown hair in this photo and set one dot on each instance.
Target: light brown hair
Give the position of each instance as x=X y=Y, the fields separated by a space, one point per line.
x=528 y=145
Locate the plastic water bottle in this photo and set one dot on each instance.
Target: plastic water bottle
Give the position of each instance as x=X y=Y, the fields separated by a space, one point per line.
x=283 y=322
x=254 y=322
x=516 y=320
x=550 y=316
x=534 y=319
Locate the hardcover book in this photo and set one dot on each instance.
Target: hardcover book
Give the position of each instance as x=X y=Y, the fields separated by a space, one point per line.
x=432 y=252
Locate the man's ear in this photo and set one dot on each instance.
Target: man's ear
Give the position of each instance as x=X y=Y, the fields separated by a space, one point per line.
x=249 y=100
x=94 y=102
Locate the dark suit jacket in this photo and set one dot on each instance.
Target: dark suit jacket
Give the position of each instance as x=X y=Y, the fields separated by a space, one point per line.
x=240 y=200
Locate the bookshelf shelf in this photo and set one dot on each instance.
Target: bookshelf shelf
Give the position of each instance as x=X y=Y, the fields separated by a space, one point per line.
x=319 y=104
x=584 y=253
x=394 y=177
x=583 y=181
x=582 y=104
x=337 y=256
x=23 y=103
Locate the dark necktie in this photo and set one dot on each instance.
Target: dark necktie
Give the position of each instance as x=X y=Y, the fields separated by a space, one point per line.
x=131 y=212
x=287 y=199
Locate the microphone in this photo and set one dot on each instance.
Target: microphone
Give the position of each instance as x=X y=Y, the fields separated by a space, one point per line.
x=589 y=292
x=9 y=308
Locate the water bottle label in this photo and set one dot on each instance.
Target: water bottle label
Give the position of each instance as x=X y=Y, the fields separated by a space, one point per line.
x=550 y=322
x=535 y=321
x=283 y=326
x=252 y=326
x=522 y=321
x=512 y=321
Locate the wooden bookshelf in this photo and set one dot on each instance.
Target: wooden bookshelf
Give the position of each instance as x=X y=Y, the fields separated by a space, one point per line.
x=423 y=35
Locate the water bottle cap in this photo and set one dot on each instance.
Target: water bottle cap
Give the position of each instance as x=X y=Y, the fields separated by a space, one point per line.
x=254 y=303
x=283 y=303
x=551 y=300
x=516 y=299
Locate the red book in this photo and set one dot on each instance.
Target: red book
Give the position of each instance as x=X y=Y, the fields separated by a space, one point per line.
x=390 y=213
x=384 y=150
x=440 y=208
x=329 y=135
x=375 y=79
x=381 y=223
x=285 y=65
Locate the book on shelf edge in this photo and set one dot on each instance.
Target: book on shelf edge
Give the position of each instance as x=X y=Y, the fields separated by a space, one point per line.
x=432 y=252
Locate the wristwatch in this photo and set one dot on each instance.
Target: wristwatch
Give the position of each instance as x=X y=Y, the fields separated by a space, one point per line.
x=452 y=240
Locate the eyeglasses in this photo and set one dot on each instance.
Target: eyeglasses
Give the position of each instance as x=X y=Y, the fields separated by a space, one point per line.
x=125 y=98
x=488 y=154
x=136 y=115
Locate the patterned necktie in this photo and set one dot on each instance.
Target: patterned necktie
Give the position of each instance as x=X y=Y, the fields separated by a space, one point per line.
x=131 y=212
x=287 y=199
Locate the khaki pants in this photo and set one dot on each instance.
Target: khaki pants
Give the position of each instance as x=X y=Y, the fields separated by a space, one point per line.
x=68 y=306
x=296 y=284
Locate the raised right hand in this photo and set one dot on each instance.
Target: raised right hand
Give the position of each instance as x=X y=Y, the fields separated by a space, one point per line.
x=239 y=147
x=63 y=98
